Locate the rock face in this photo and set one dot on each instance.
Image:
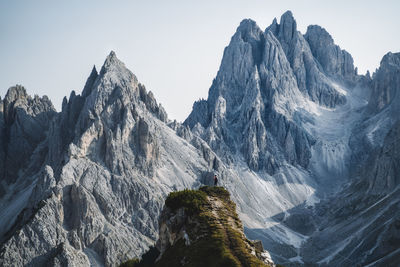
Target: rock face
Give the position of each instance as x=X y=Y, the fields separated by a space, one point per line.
x=249 y=103
x=386 y=85
x=382 y=172
x=305 y=61
x=381 y=113
x=24 y=122
x=334 y=61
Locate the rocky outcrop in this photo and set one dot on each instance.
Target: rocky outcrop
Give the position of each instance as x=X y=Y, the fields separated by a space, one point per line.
x=200 y=116
x=334 y=61
x=386 y=85
x=151 y=104
x=24 y=122
x=201 y=227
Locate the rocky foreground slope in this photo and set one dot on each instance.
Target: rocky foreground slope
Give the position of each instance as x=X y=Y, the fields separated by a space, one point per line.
x=307 y=147
x=201 y=228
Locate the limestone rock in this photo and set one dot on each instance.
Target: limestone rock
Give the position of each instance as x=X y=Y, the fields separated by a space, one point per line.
x=334 y=61
x=25 y=121
x=254 y=86
x=310 y=78
x=386 y=84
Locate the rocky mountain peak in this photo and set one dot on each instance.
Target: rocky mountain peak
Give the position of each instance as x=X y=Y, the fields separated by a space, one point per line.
x=17 y=98
x=248 y=29
x=286 y=29
x=311 y=79
x=14 y=93
x=273 y=27
x=316 y=30
x=111 y=59
x=113 y=64
x=335 y=62
x=386 y=85
x=287 y=26
x=90 y=82
x=254 y=84
x=115 y=86
x=287 y=16
x=114 y=72
x=391 y=59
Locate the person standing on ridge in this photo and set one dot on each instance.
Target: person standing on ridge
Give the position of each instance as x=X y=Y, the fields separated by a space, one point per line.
x=215 y=180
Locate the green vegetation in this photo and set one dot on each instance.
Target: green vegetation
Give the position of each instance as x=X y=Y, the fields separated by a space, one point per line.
x=147 y=260
x=217 y=191
x=131 y=263
x=193 y=201
x=214 y=230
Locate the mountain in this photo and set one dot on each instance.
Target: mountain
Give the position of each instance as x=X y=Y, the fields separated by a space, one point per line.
x=307 y=147
x=201 y=227
x=98 y=172
x=293 y=112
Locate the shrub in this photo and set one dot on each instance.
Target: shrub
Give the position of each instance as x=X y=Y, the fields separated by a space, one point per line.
x=216 y=191
x=130 y=263
x=193 y=201
x=148 y=259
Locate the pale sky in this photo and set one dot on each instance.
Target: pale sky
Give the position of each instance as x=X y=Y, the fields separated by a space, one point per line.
x=174 y=47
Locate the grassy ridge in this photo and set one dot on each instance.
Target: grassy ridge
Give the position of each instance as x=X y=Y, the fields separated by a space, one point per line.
x=214 y=230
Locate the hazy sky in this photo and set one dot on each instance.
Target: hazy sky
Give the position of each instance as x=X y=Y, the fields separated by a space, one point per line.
x=173 y=47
